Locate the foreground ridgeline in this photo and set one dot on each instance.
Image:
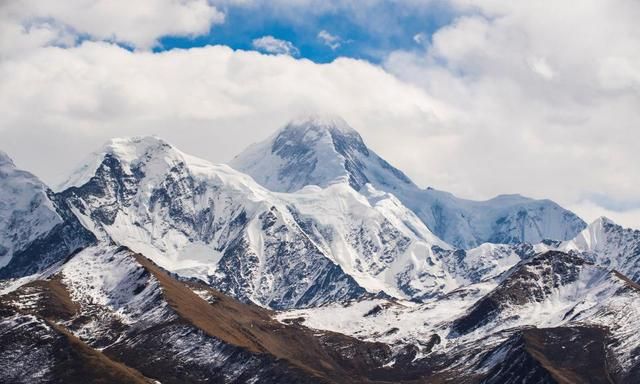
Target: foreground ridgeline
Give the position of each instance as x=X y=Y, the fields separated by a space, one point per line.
x=152 y=265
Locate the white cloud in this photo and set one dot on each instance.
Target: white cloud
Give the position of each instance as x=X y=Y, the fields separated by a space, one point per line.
x=590 y=211
x=136 y=23
x=331 y=41
x=210 y=101
x=540 y=66
x=270 y=44
x=544 y=98
x=510 y=98
x=421 y=38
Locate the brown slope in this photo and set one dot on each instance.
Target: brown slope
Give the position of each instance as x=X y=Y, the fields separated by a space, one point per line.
x=67 y=358
x=334 y=357
x=562 y=355
x=570 y=354
x=319 y=356
x=81 y=364
x=53 y=300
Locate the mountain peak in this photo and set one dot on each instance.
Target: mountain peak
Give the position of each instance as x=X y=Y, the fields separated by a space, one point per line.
x=319 y=133
x=325 y=150
x=593 y=236
x=5 y=160
x=601 y=221
x=322 y=121
x=128 y=151
x=312 y=150
x=128 y=148
x=316 y=150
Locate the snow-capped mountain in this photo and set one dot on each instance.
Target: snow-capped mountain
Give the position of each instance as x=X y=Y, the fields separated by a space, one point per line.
x=605 y=243
x=548 y=288
x=374 y=238
x=602 y=243
x=205 y=221
x=35 y=229
x=281 y=250
x=554 y=290
x=324 y=150
x=26 y=212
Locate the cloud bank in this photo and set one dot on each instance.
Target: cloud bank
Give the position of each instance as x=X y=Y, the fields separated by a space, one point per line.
x=138 y=24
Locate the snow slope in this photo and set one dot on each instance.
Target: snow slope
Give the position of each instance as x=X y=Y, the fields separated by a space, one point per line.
x=374 y=238
x=610 y=245
x=36 y=230
x=26 y=213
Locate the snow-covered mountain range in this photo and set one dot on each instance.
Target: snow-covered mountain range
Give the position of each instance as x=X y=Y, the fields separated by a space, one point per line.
x=321 y=151
x=146 y=250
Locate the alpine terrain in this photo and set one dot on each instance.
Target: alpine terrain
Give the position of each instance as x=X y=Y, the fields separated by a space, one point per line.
x=307 y=259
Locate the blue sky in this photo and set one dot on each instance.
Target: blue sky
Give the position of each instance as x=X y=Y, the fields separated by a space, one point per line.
x=368 y=33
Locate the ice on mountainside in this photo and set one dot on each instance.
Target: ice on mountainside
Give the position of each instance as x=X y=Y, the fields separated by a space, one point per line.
x=26 y=212
x=36 y=230
x=322 y=151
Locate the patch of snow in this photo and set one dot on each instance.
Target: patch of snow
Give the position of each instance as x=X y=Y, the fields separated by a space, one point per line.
x=26 y=212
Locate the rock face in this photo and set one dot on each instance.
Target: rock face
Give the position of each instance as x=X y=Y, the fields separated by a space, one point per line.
x=321 y=151
x=485 y=262
x=552 y=355
x=532 y=281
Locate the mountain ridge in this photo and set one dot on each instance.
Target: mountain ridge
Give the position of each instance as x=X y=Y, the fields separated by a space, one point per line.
x=215 y=223
x=321 y=152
